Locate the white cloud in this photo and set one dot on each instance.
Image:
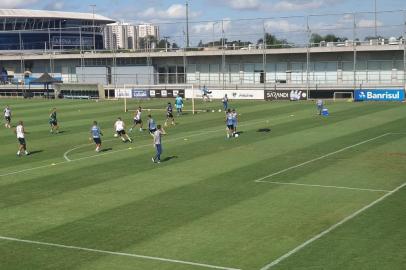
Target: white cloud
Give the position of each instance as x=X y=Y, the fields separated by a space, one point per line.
x=16 y=3
x=55 y=5
x=295 y=5
x=363 y=23
x=279 y=6
x=175 y=11
x=205 y=28
x=244 y=4
x=282 y=26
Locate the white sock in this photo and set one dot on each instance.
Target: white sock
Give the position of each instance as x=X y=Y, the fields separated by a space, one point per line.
x=18 y=153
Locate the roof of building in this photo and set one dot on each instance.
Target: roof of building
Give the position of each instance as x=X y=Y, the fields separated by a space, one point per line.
x=30 y=13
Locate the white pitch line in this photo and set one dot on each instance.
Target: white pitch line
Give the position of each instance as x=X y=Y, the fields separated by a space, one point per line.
x=116 y=253
x=324 y=186
x=333 y=227
x=121 y=150
x=318 y=158
x=65 y=155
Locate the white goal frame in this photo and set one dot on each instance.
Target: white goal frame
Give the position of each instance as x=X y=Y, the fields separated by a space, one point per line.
x=343 y=92
x=161 y=87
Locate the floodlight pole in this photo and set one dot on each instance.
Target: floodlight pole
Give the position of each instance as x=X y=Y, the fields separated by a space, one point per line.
x=375 y=20
x=354 y=45
x=187 y=23
x=93 y=6
x=308 y=56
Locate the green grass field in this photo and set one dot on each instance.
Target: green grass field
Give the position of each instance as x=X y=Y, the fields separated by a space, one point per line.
x=313 y=193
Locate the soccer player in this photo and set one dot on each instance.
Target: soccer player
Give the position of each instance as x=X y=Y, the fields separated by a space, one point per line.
x=20 y=132
x=169 y=115
x=151 y=125
x=235 y=121
x=320 y=105
x=120 y=130
x=158 y=144
x=137 y=119
x=225 y=102
x=53 y=122
x=96 y=134
x=206 y=93
x=7 y=117
x=179 y=104
x=229 y=124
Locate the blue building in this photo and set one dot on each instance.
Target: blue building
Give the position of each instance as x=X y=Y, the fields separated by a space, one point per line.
x=22 y=29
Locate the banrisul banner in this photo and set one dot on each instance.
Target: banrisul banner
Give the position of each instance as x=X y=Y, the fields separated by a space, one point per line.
x=285 y=95
x=379 y=95
x=140 y=93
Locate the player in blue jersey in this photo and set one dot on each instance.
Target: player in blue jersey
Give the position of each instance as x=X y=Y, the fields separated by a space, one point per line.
x=95 y=134
x=206 y=93
x=229 y=124
x=169 y=114
x=151 y=125
x=320 y=106
x=235 y=121
x=179 y=104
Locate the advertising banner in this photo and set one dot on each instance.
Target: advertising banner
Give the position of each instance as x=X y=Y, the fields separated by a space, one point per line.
x=231 y=94
x=140 y=93
x=122 y=93
x=285 y=95
x=379 y=95
x=169 y=93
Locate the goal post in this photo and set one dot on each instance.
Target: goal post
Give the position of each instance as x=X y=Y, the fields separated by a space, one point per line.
x=143 y=95
x=343 y=96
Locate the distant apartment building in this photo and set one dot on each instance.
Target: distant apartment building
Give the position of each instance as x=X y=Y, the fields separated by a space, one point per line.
x=120 y=35
x=145 y=30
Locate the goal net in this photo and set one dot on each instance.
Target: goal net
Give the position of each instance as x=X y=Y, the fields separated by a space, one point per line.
x=156 y=97
x=343 y=96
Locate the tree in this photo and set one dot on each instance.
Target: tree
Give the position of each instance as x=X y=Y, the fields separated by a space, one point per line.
x=175 y=46
x=201 y=45
x=273 y=41
x=316 y=38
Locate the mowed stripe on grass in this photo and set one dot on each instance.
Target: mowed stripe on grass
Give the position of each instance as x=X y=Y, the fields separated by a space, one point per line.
x=189 y=207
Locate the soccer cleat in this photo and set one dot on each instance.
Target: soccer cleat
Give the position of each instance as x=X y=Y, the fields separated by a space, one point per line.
x=153 y=160
x=158 y=161
x=141 y=129
x=27 y=153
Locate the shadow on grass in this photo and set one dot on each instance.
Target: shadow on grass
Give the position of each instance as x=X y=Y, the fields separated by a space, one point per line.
x=168 y=158
x=36 y=152
x=106 y=149
x=265 y=130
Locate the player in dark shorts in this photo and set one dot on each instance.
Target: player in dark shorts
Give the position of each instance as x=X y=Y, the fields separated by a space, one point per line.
x=137 y=119
x=169 y=115
x=7 y=117
x=229 y=123
x=96 y=134
x=53 y=121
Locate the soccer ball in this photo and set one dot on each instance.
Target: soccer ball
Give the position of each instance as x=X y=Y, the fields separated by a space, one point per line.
x=115 y=135
x=212 y=111
x=236 y=135
x=219 y=110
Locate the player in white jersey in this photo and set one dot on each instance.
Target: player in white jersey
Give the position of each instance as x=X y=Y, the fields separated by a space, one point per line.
x=120 y=130
x=7 y=117
x=20 y=132
x=137 y=119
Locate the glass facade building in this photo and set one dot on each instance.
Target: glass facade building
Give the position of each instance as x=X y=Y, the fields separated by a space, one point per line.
x=50 y=30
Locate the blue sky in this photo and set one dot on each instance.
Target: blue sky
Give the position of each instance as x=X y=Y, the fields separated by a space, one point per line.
x=203 y=11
